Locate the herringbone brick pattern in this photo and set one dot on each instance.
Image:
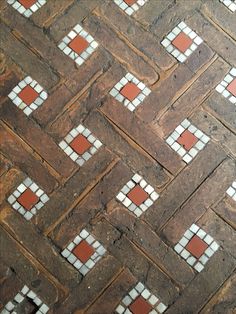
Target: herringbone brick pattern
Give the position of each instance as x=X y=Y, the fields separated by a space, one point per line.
x=118 y=156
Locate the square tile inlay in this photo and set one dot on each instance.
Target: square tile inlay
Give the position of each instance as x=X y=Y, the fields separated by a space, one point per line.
x=130 y=6
x=80 y=144
x=227 y=87
x=26 y=7
x=232 y=191
x=181 y=42
x=137 y=195
x=196 y=247
x=130 y=91
x=23 y=294
x=84 y=252
x=78 y=44
x=230 y=4
x=28 y=95
x=140 y=301
x=187 y=140
x=28 y=198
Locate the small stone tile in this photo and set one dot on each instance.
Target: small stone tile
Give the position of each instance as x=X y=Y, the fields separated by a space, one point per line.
x=130 y=6
x=230 y=4
x=26 y=7
x=231 y=191
x=227 y=88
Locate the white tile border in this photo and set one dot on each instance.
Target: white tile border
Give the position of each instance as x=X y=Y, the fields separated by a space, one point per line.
x=197 y=263
x=22 y=10
x=84 y=268
x=27 y=184
x=28 y=109
x=130 y=78
x=222 y=87
x=137 y=180
x=187 y=156
x=80 y=130
x=130 y=9
x=230 y=4
x=231 y=191
x=24 y=293
x=140 y=290
x=64 y=44
x=167 y=42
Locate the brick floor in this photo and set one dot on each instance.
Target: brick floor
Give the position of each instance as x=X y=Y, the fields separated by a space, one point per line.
x=117 y=156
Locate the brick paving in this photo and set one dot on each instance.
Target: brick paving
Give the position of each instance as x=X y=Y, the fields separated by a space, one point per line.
x=118 y=156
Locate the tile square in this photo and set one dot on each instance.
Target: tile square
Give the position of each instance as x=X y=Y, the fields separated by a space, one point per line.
x=84 y=252
x=196 y=247
x=232 y=87
x=130 y=2
x=130 y=91
x=181 y=42
x=137 y=195
x=80 y=144
x=27 y=199
x=227 y=87
x=130 y=6
x=231 y=191
x=140 y=306
x=28 y=95
x=26 y=7
x=78 y=44
x=187 y=139
x=230 y=4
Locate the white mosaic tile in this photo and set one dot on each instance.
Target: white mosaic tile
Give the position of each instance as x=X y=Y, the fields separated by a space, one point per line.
x=187 y=155
x=128 y=7
x=80 y=159
x=231 y=191
x=179 y=55
x=222 y=87
x=84 y=267
x=181 y=248
x=24 y=293
x=79 y=58
x=39 y=100
x=27 y=12
x=143 y=92
x=230 y=4
x=137 y=181
x=14 y=200
x=140 y=291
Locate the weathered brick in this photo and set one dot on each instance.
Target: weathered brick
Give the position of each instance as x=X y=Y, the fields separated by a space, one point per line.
x=9 y=179
x=226 y=209
x=4 y=165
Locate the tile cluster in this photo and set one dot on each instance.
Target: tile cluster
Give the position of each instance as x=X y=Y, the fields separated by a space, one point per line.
x=140 y=300
x=137 y=195
x=181 y=42
x=196 y=247
x=130 y=91
x=26 y=7
x=84 y=252
x=227 y=87
x=28 y=95
x=22 y=295
x=232 y=191
x=230 y=4
x=28 y=198
x=78 y=44
x=80 y=144
x=130 y=6
x=187 y=140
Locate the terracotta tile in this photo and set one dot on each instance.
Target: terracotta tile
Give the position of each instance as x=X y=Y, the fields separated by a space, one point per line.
x=187 y=139
x=182 y=42
x=27 y=3
x=232 y=87
x=137 y=195
x=196 y=246
x=130 y=91
x=83 y=251
x=78 y=44
x=28 y=199
x=130 y=2
x=28 y=95
x=80 y=144
x=140 y=306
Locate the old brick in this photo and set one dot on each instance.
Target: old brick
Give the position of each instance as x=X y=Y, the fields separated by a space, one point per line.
x=8 y=180
x=226 y=209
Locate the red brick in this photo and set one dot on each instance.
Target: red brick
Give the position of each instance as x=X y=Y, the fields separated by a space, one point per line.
x=28 y=95
x=196 y=246
x=140 y=306
x=137 y=195
x=27 y=3
x=28 y=199
x=187 y=139
x=232 y=87
x=130 y=91
x=130 y=2
x=182 y=42
x=80 y=144
x=79 y=44
x=83 y=251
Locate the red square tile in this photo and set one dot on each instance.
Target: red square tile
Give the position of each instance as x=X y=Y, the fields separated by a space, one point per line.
x=196 y=246
x=28 y=199
x=28 y=95
x=182 y=42
x=232 y=87
x=140 y=306
x=130 y=91
x=78 y=44
x=130 y=2
x=80 y=144
x=27 y=3
x=83 y=251
x=187 y=139
x=137 y=195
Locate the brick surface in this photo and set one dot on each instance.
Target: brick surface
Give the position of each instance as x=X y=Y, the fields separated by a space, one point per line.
x=137 y=225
